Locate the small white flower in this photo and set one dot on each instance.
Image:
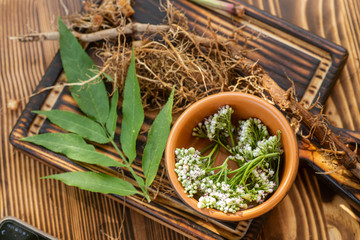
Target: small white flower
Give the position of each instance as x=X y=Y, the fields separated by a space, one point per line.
x=201 y=205
x=225 y=187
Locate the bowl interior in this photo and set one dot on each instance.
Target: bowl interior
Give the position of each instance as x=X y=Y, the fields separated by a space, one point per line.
x=245 y=106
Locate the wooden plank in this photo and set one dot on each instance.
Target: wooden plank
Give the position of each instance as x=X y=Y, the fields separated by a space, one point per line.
x=273 y=38
x=24 y=64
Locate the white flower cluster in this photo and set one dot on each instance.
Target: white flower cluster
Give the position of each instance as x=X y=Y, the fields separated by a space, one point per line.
x=254 y=140
x=263 y=185
x=256 y=153
x=216 y=123
x=189 y=170
x=251 y=131
x=218 y=195
x=266 y=146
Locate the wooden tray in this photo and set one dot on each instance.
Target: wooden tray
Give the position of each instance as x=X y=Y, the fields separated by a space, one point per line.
x=285 y=51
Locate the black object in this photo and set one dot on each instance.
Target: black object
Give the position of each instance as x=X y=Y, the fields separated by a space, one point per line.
x=12 y=228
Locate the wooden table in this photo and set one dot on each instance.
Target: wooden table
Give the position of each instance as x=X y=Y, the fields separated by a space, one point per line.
x=311 y=209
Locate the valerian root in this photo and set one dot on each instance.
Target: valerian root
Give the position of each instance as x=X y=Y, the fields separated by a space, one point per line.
x=320 y=131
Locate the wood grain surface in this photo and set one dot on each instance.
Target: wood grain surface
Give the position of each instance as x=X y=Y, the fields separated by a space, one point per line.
x=62 y=211
x=337 y=21
x=311 y=210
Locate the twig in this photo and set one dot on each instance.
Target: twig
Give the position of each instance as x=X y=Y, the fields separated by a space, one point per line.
x=130 y=28
x=81 y=83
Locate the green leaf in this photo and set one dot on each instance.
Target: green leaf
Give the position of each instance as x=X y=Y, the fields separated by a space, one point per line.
x=109 y=78
x=156 y=141
x=132 y=111
x=96 y=182
x=91 y=97
x=111 y=121
x=74 y=147
x=75 y=123
x=138 y=179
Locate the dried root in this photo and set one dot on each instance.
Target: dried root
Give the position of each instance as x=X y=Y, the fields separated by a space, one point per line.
x=181 y=62
x=196 y=65
x=98 y=21
x=316 y=124
x=97 y=17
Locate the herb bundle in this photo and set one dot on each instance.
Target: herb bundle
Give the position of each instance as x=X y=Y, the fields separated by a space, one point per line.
x=256 y=153
x=99 y=123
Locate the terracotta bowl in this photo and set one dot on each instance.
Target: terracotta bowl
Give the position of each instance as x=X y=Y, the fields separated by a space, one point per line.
x=245 y=106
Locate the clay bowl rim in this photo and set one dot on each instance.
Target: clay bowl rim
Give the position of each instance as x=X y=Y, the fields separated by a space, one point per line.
x=291 y=154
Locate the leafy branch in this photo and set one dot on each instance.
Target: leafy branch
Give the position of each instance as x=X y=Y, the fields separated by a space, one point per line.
x=99 y=123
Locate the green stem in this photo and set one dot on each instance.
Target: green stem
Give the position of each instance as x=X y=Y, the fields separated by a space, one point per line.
x=212 y=151
x=138 y=179
x=221 y=144
x=210 y=155
x=255 y=159
x=230 y=133
x=255 y=163
x=239 y=169
x=249 y=169
x=222 y=166
x=120 y=153
x=207 y=148
x=235 y=179
x=214 y=168
x=220 y=174
x=244 y=171
x=277 y=171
